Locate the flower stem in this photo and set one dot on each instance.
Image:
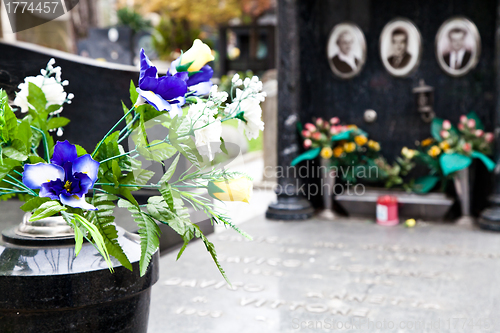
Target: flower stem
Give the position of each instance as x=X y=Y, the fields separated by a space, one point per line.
x=128 y=185
x=45 y=144
x=111 y=131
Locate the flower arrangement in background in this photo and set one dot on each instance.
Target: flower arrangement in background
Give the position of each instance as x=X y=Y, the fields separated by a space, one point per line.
x=61 y=178
x=350 y=151
x=451 y=149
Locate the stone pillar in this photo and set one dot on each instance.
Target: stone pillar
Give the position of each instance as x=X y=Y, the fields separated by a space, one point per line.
x=270 y=117
x=490 y=217
x=290 y=205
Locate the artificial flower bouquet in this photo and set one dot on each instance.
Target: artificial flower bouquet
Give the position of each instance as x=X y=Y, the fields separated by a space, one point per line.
x=350 y=151
x=451 y=149
x=61 y=178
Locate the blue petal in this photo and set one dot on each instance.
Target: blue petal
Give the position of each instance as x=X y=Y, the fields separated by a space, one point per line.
x=184 y=76
x=82 y=184
x=148 y=70
x=63 y=152
x=85 y=164
x=205 y=74
x=155 y=100
x=52 y=189
x=148 y=83
x=35 y=175
x=76 y=202
x=171 y=87
x=202 y=88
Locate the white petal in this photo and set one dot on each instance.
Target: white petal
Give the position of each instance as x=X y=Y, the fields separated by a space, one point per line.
x=76 y=202
x=155 y=100
x=35 y=175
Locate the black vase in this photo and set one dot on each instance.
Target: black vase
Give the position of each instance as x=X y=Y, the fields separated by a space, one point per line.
x=45 y=288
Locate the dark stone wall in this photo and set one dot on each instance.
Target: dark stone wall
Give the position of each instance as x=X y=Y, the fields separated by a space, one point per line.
x=98 y=89
x=398 y=123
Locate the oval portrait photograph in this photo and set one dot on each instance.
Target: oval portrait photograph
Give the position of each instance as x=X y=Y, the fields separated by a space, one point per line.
x=346 y=50
x=458 y=46
x=400 y=47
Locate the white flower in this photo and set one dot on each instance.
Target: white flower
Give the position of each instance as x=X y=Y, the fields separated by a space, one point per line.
x=235 y=78
x=54 y=92
x=252 y=113
x=218 y=97
x=208 y=130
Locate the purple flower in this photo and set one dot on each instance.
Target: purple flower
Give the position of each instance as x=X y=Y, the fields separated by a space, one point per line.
x=199 y=81
x=66 y=178
x=165 y=93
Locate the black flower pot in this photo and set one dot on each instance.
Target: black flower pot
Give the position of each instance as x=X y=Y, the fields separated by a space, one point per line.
x=45 y=288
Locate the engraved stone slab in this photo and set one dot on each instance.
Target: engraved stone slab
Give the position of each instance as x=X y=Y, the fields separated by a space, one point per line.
x=346 y=275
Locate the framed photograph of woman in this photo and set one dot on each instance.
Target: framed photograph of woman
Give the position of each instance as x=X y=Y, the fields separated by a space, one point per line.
x=400 y=47
x=458 y=46
x=346 y=50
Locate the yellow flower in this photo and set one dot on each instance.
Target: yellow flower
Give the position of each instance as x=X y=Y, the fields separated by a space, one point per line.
x=434 y=151
x=326 y=153
x=427 y=142
x=373 y=145
x=410 y=223
x=349 y=147
x=199 y=54
x=444 y=145
x=360 y=139
x=338 y=151
x=353 y=127
x=408 y=153
x=236 y=189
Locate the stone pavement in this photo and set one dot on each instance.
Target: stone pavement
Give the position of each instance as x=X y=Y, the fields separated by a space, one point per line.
x=322 y=276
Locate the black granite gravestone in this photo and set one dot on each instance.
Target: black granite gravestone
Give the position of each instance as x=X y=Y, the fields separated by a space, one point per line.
x=309 y=88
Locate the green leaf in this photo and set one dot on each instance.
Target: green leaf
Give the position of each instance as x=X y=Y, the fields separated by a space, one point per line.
x=16 y=151
x=342 y=136
x=80 y=151
x=96 y=237
x=78 y=233
x=211 y=249
x=36 y=98
x=133 y=93
x=424 y=184
x=453 y=162
x=436 y=127
x=47 y=209
x=10 y=129
x=128 y=118
x=7 y=165
x=34 y=159
x=479 y=123
x=157 y=151
x=24 y=134
x=170 y=171
x=149 y=233
x=53 y=108
x=223 y=146
x=103 y=218
x=166 y=192
x=308 y=155
x=488 y=163
x=57 y=122
x=34 y=203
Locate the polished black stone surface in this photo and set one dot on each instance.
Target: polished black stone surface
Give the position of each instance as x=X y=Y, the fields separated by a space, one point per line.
x=48 y=289
x=99 y=88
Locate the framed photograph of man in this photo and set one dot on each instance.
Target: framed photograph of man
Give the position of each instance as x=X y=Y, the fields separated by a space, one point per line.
x=346 y=50
x=458 y=46
x=400 y=47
